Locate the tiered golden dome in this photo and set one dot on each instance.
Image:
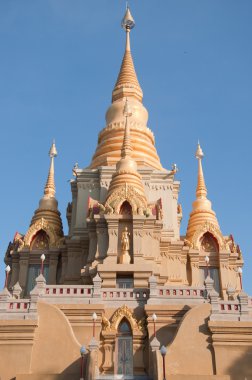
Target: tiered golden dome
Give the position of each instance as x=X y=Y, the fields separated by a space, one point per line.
x=108 y=151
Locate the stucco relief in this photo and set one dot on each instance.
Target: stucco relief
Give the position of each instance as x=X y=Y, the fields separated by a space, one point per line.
x=42 y=224
x=119 y=314
x=129 y=194
x=211 y=228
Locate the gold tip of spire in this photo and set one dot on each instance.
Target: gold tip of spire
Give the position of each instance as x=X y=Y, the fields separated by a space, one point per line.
x=201 y=191
x=49 y=191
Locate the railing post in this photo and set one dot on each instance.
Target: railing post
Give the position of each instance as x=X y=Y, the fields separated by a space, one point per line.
x=243 y=299
x=214 y=300
x=5 y=298
x=153 y=289
x=154 y=346
x=230 y=293
x=93 y=370
x=37 y=292
x=209 y=285
x=97 y=281
x=17 y=290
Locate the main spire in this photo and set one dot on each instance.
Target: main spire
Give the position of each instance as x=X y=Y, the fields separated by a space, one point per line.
x=108 y=150
x=127 y=83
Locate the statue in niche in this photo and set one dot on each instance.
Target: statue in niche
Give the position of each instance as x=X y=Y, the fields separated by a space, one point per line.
x=124 y=258
x=125 y=240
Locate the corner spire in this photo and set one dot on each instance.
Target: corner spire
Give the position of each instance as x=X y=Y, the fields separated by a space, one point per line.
x=202 y=213
x=47 y=213
x=49 y=190
x=127 y=83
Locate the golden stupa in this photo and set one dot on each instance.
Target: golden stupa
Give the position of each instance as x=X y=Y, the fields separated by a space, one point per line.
x=108 y=151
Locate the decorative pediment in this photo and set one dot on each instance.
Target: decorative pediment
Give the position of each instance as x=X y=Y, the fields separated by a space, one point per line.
x=213 y=230
x=118 y=316
x=42 y=224
x=126 y=193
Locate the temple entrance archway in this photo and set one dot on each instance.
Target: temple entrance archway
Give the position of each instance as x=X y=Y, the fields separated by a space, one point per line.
x=124 y=344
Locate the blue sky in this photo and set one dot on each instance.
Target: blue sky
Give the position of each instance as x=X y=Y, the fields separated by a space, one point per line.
x=59 y=62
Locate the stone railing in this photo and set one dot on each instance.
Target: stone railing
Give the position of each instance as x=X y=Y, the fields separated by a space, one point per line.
x=67 y=293
x=229 y=310
x=14 y=307
x=137 y=296
x=11 y=305
x=175 y=294
x=178 y=292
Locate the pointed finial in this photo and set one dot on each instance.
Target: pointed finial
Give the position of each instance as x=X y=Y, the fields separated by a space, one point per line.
x=53 y=151
x=128 y=22
x=199 y=153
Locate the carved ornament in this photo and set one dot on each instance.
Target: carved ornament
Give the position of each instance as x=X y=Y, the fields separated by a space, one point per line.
x=124 y=312
x=126 y=193
x=215 y=231
x=42 y=224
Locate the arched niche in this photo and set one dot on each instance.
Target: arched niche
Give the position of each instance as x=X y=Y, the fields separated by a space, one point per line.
x=126 y=208
x=124 y=327
x=209 y=244
x=40 y=241
x=209 y=247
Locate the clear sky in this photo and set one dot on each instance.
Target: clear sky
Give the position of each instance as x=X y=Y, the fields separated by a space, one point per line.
x=58 y=64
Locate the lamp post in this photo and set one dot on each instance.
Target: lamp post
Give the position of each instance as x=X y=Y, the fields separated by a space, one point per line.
x=154 y=318
x=7 y=271
x=94 y=317
x=239 y=270
x=163 y=351
x=207 y=264
x=42 y=258
x=82 y=352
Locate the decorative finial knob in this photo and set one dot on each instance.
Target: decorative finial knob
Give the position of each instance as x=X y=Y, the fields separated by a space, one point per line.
x=239 y=270
x=8 y=269
x=53 y=151
x=128 y=22
x=199 y=153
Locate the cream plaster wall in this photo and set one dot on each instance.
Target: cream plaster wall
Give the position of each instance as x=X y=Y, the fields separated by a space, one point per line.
x=56 y=348
x=190 y=352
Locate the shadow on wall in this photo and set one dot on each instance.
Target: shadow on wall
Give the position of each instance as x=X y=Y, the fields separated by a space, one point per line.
x=190 y=352
x=203 y=329
x=167 y=334
x=241 y=369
